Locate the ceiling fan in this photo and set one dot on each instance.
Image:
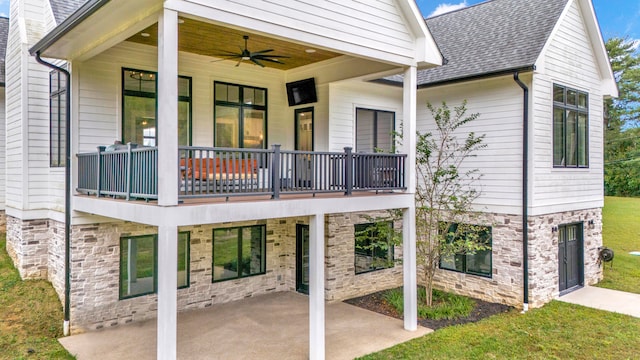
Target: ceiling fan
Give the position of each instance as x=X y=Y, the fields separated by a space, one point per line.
x=255 y=57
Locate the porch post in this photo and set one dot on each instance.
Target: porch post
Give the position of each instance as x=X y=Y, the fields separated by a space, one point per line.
x=167 y=124
x=167 y=292
x=409 y=270
x=316 y=287
x=409 y=214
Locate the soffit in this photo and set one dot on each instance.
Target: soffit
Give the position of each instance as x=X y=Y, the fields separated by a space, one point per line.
x=210 y=40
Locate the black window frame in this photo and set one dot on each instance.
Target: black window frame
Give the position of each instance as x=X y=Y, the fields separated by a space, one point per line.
x=241 y=106
x=263 y=250
x=57 y=95
x=154 y=95
x=463 y=257
x=376 y=113
x=154 y=238
x=372 y=251
x=565 y=106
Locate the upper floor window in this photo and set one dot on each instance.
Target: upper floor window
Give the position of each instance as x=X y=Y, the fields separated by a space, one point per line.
x=374 y=130
x=570 y=127
x=57 y=119
x=240 y=116
x=140 y=108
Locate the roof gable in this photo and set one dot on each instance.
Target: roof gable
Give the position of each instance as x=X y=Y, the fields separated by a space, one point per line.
x=492 y=37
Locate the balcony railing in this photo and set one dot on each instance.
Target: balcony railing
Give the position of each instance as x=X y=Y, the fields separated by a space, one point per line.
x=206 y=172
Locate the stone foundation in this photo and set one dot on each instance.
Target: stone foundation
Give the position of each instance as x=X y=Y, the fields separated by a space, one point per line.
x=3 y=221
x=505 y=285
x=28 y=246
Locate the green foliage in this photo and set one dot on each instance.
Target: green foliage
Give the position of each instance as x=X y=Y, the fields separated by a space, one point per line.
x=556 y=331
x=445 y=305
x=622 y=131
x=445 y=189
x=30 y=315
x=621 y=232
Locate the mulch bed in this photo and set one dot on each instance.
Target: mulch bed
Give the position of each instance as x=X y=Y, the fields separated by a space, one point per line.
x=375 y=302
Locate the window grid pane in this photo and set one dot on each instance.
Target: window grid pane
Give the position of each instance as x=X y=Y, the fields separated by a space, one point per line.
x=240 y=118
x=368 y=256
x=238 y=252
x=570 y=136
x=479 y=263
x=137 y=266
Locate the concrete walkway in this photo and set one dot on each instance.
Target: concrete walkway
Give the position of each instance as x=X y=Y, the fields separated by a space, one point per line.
x=605 y=299
x=274 y=326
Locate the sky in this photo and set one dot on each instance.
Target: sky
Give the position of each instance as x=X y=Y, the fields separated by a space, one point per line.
x=617 y=18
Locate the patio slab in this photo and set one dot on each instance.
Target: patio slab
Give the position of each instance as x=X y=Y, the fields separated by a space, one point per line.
x=605 y=299
x=273 y=326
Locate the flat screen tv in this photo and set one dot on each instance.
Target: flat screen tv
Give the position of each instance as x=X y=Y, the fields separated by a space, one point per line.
x=302 y=92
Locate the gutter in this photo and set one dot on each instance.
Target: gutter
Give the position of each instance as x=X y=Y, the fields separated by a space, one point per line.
x=525 y=194
x=67 y=193
x=67 y=25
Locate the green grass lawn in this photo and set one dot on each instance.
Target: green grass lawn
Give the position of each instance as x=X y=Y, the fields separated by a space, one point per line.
x=621 y=232
x=30 y=315
x=556 y=331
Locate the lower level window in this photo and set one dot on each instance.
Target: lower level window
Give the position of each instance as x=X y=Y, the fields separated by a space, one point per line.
x=139 y=264
x=238 y=252
x=373 y=250
x=478 y=263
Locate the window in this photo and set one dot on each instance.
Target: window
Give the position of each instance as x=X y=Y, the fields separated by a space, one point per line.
x=57 y=119
x=374 y=130
x=139 y=108
x=570 y=127
x=478 y=263
x=238 y=252
x=240 y=116
x=373 y=250
x=139 y=264
x=184 y=259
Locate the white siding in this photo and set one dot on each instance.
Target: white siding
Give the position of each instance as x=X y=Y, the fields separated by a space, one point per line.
x=345 y=97
x=499 y=103
x=368 y=29
x=569 y=60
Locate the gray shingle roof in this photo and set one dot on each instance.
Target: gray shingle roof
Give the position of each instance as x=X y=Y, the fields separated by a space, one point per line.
x=63 y=8
x=4 y=32
x=491 y=37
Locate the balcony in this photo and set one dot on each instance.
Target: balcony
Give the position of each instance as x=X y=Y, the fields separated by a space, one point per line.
x=131 y=173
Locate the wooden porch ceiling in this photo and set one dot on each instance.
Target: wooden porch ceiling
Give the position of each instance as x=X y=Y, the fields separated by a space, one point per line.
x=208 y=39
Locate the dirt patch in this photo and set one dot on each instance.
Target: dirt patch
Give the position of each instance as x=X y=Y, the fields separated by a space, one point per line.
x=376 y=302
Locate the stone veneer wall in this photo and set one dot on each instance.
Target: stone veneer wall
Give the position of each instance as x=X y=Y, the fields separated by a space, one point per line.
x=341 y=281
x=95 y=272
x=28 y=246
x=505 y=285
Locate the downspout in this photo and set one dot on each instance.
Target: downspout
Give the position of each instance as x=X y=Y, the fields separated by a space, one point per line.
x=525 y=193
x=67 y=192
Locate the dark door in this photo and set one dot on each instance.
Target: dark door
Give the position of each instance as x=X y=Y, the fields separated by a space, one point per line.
x=570 y=263
x=302 y=258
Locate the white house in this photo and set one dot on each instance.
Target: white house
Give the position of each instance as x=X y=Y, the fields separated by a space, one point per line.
x=253 y=126
x=244 y=178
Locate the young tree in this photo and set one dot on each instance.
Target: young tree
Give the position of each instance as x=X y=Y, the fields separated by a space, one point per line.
x=446 y=188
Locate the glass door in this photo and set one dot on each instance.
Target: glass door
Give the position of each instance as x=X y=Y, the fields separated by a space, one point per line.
x=302 y=258
x=304 y=142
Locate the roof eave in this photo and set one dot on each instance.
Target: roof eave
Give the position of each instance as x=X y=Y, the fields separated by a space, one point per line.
x=521 y=69
x=67 y=25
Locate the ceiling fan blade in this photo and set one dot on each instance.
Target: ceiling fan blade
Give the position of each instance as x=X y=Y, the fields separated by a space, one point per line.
x=255 y=61
x=272 y=56
x=239 y=61
x=261 y=52
x=270 y=60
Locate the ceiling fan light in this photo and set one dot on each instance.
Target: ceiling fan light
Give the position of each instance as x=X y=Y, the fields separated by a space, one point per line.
x=246 y=58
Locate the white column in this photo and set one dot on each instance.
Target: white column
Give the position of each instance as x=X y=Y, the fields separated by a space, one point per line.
x=409 y=269
x=316 y=287
x=167 y=124
x=409 y=111
x=409 y=214
x=167 y=292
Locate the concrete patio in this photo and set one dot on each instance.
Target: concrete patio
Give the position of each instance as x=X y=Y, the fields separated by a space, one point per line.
x=605 y=299
x=273 y=326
